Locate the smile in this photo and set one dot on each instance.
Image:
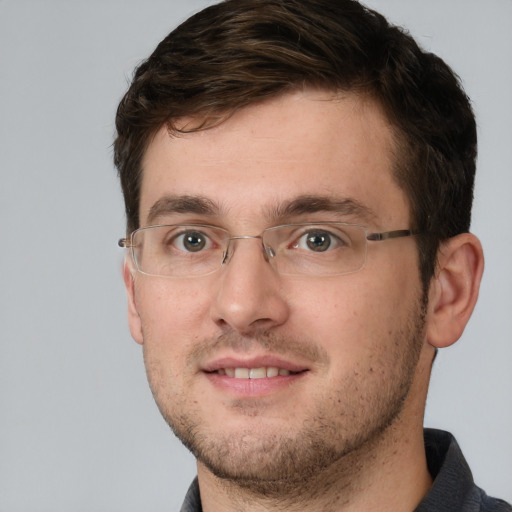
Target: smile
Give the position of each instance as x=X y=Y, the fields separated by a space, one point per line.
x=254 y=373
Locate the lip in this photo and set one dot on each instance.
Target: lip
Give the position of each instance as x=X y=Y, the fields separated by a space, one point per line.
x=254 y=362
x=253 y=388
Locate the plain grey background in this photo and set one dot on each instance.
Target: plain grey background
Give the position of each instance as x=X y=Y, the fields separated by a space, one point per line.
x=78 y=427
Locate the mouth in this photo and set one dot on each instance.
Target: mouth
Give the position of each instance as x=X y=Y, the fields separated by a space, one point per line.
x=264 y=372
x=256 y=377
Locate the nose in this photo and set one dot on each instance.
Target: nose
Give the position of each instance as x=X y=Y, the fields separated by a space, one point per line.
x=250 y=297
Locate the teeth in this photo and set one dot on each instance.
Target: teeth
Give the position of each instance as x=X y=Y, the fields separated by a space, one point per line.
x=242 y=373
x=254 y=373
x=272 y=372
x=257 y=373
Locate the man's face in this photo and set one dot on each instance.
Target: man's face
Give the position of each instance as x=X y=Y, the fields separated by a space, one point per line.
x=345 y=347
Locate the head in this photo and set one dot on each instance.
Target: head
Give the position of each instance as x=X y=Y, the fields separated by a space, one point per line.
x=238 y=53
x=258 y=113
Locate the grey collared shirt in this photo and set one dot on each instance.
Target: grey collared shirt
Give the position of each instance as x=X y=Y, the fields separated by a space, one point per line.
x=453 y=489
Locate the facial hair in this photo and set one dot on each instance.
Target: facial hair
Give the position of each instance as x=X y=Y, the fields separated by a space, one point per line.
x=341 y=420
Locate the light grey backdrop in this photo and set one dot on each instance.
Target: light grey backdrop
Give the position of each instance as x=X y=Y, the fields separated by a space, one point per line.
x=78 y=427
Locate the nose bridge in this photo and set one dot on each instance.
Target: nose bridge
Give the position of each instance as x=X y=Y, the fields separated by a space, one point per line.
x=246 y=237
x=231 y=246
x=249 y=294
x=237 y=237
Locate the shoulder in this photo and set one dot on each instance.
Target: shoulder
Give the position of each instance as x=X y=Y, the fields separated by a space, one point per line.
x=453 y=488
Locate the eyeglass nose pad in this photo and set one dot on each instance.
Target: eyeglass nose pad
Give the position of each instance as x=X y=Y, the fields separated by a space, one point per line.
x=269 y=252
x=228 y=252
x=226 y=255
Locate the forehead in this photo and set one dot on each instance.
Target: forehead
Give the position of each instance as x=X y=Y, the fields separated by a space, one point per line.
x=309 y=143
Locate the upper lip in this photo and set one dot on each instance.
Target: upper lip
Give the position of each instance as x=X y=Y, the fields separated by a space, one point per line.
x=253 y=362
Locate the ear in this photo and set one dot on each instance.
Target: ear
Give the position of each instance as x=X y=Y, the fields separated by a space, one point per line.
x=454 y=289
x=134 y=321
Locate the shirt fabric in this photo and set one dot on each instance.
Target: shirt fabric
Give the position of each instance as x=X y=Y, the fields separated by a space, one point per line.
x=453 y=488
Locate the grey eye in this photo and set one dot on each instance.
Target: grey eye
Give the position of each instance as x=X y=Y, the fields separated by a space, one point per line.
x=318 y=241
x=321 y=240
x=191 y=241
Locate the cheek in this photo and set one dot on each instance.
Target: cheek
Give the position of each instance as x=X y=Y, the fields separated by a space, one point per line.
x=170 y=319
x=177 y=299
x=173 y=313
x=353 y=317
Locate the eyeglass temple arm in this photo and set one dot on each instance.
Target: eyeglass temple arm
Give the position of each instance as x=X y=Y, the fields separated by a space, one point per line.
x=376 y=237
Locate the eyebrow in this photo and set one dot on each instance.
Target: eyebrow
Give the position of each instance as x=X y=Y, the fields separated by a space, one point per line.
x=182 y=204
x=303 y=205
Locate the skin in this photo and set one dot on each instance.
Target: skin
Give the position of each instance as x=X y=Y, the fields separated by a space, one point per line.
x=346 y=432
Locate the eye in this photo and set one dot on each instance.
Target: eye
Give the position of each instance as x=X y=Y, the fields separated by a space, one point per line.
x=191 y=241
x=319 y=240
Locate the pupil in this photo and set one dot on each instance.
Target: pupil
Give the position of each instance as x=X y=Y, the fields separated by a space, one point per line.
x=194 y=242
x=318 y=242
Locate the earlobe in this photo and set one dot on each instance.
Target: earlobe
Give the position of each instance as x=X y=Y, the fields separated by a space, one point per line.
x=134 y=321
x=454 y=289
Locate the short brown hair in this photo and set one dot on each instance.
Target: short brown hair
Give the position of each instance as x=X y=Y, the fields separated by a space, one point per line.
x=239 y=52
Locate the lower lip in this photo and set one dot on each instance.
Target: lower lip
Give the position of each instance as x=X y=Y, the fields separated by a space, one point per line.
x=253 y=387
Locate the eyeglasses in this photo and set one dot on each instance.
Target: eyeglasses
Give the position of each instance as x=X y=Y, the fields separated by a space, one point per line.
x=305 y=249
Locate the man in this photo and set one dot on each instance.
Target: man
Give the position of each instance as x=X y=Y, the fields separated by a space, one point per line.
x=298 y=183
